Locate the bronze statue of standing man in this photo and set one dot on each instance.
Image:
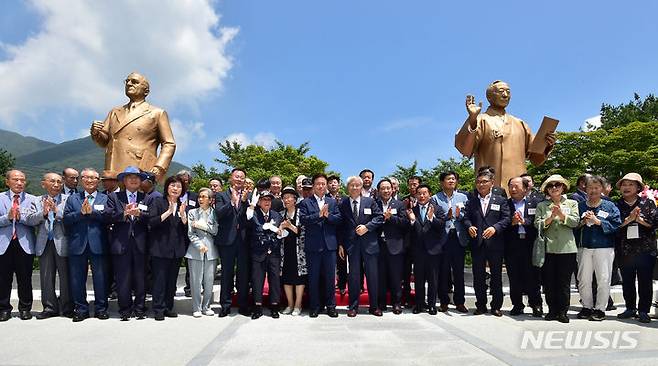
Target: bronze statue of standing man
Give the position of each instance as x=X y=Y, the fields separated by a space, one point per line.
x=498 y=139
x=132 y=133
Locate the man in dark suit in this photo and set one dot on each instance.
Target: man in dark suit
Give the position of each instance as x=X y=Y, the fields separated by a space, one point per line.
x=368 y=177
x=126 y=212
x=52 y=248
x=86 y=230
x=409 y=202
x=427 y=224
x=487 y=217
x=265 y=242
x=391 y=246
x=333 y=191
x=230 y=208
x=320 y=217
x=519 y=239
x=71 y=178
x=362 y=219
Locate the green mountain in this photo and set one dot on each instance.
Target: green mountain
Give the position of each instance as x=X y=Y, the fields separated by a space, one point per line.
x=18 y=144
x=36 y=157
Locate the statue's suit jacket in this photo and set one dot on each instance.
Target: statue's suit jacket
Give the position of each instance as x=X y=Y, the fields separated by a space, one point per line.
x=130 y=136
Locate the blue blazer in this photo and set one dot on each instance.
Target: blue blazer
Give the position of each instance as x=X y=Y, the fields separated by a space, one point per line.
x=122 y=229
x=396 y=227
x=426 y=234
x=458 y=199
x=83 y=230
x=373 y=221
x=232 y=222
x=320 y=232
x=24 y=225
x=496 y=216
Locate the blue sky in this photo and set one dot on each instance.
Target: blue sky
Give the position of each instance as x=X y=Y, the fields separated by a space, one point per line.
x=367 y=83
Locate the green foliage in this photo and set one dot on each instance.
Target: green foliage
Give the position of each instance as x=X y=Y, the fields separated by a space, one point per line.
x=203 y=176
x=286 y=161
x=637 y=110
x=463 y=167
x=626 y=143
x=6 y=163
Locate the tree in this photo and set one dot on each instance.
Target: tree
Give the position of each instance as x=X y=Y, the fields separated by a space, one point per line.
x=6 y=163
x=260 y=162
x=463 y=167
x=626 y=142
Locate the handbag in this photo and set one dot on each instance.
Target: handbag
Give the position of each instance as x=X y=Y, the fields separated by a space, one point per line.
x=539 y=249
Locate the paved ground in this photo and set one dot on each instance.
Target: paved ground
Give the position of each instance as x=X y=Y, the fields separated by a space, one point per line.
x=365 y=340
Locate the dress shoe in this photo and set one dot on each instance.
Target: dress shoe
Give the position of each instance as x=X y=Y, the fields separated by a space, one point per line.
x=102 y=315
x=537 y=311
x=332 y=313
x=550 y=316
x=417 y=310
x=610 y=307
x=274 y=314
x=562 y=318
x=351 y=313
x=125 y=317
x=462 y=309
x=25 y=315
x=257 y=313
x=443 y=308
x=313 y=314
x=627 y=314
x=597 y=316
x=46 y=314
x=496 y=312
x=140 y=315
x=170 y=314
x=223 y=312
x=69 y=314
x=375 y=312
x=516 y=310
x=397 y=310
x=480 y=311
x=159 y=317
x=188 y=292
x=244 y=312
x=5 y=315
x=78 y=317
x=287 y=310
x=432 y=310
x=643 y=317
x=585 y=313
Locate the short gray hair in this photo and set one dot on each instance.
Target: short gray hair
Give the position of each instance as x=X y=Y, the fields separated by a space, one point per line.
x=354 y=178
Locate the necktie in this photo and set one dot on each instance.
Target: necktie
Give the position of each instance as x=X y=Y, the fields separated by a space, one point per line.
x=15 y=206
x=355 y=210
x=51 y=221
x=423 y=212
x=266 y=218
x=90 y=199
x=132 y=198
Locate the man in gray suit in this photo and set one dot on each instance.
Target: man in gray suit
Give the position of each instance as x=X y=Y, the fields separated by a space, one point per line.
x=16 y=246
x=52 y=247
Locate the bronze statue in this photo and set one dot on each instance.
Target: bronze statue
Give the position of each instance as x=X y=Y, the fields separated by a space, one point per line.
x=132 y=133
x=498 y=139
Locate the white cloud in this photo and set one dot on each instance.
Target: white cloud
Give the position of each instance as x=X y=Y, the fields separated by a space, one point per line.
x=186 y=133
x=265 y=139
x=84 y=50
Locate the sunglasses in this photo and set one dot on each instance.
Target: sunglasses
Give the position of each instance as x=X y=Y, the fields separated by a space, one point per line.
x=553 y=185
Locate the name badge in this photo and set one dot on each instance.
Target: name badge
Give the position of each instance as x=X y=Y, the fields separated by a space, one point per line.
x=602 y=214
x=142 y=207
x=99 y=207
x=566 y=210
x=633 y=232
x=192 y=203
x=367 y=211
x=394 y=211
x=495 y=207
x=532 y=211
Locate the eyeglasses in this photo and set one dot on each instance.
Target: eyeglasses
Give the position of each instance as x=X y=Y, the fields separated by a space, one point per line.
x=480 y=182
x=84 y=177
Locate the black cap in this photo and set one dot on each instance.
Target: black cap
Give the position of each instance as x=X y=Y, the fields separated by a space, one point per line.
x=307 y=183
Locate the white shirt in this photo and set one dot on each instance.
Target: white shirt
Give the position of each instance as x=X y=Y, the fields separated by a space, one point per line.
x=320 y=200
x=358 y=204
x=519 y=206
x=385 y=204
x=365 y=192
x=484 y=202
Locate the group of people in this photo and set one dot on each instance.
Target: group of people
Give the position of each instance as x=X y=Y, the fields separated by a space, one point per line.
x=309 y=238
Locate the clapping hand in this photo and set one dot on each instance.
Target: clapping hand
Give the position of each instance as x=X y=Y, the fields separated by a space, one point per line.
x=203 y=249
x=324 y=211
x=411 y=215
x=172 y=207
x=387 y=214
x=517 y=219
x=449 y=214
x=181 y=209
x=430 y=213
x=86 y=207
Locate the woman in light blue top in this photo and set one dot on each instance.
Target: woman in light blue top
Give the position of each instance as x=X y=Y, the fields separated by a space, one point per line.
x=201 y=254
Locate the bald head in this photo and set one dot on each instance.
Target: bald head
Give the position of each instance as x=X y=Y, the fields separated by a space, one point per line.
x=137 y=87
